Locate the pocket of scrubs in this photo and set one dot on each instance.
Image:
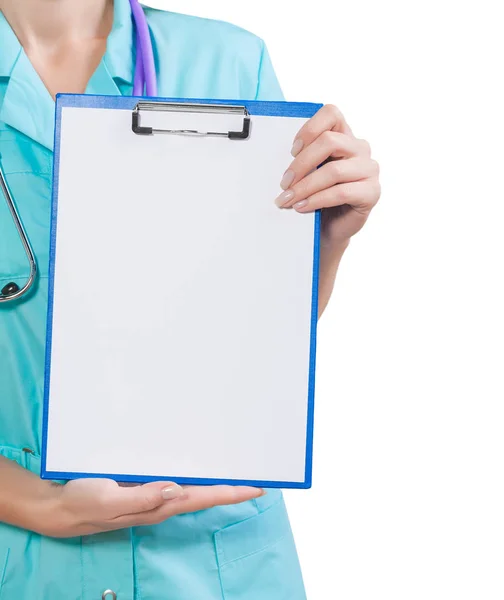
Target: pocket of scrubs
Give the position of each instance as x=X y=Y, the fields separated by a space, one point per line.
x=257 y=558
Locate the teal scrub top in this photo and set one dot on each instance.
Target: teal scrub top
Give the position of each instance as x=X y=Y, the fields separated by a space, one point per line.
x=239 y=552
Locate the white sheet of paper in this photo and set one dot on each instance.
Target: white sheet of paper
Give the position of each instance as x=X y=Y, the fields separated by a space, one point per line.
x=182 y=302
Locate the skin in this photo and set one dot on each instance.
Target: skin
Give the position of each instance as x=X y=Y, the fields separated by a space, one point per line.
x=65 y=40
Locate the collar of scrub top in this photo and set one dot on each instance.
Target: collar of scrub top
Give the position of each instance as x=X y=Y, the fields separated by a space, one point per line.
x=29 y=108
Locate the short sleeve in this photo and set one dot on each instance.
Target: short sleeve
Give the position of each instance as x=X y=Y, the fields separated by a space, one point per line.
x=268 y=87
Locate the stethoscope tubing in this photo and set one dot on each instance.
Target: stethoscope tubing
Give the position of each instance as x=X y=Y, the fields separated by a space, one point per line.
x=144 y=49
x=24 y=239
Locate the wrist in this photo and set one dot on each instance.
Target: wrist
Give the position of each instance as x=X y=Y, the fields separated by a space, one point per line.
x=334 y=246
x=31 y=503
x=48 y=512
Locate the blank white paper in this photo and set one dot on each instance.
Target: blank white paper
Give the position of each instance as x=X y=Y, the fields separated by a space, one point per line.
x=182 y=302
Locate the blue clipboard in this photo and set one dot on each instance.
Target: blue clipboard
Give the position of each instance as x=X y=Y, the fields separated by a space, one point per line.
x=254 y=108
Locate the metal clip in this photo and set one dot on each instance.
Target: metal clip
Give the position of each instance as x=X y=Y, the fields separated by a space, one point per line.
x=192 y=108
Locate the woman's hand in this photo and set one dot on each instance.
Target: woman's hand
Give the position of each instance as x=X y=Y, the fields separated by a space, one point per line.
x=346 y=187
x=88 y=506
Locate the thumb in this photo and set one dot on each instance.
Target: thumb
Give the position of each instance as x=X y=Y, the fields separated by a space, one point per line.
x=142 y=498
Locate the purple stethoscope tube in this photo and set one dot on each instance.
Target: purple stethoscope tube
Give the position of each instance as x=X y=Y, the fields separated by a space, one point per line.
x=145 y=69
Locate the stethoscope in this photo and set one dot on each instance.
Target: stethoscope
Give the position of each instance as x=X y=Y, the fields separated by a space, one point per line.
x=145 y=83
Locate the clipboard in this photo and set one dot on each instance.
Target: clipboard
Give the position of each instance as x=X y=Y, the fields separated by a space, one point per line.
x=182 y=313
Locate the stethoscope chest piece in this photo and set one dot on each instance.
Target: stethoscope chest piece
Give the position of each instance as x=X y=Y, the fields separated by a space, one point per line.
x=9 y=289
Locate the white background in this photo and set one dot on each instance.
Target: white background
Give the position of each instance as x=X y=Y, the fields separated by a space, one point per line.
x=408 y=496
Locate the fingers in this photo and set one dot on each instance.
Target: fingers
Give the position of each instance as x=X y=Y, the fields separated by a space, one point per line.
x=360 y=195
x=194 y=499
x=199 y=497
x=95 y=505
x=329 y=175
x=142 y=498
x=329 y=144
x=331 y=167
x=328 y=118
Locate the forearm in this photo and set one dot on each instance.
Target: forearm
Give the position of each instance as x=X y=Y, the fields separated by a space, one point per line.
x=330 y=258
x=26 y=501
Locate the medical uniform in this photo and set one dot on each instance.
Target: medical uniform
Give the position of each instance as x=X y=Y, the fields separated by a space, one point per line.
x=239 y=552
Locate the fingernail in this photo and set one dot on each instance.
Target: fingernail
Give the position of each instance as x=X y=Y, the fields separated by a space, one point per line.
x=284 y=197
x=297 y=147
x=263 y=493
x=300 y=204
x=172 y=491
x=287 y=179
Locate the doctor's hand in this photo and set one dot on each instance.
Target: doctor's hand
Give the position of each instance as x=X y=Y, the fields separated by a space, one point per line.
x=87 y=506
x=345 y=186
